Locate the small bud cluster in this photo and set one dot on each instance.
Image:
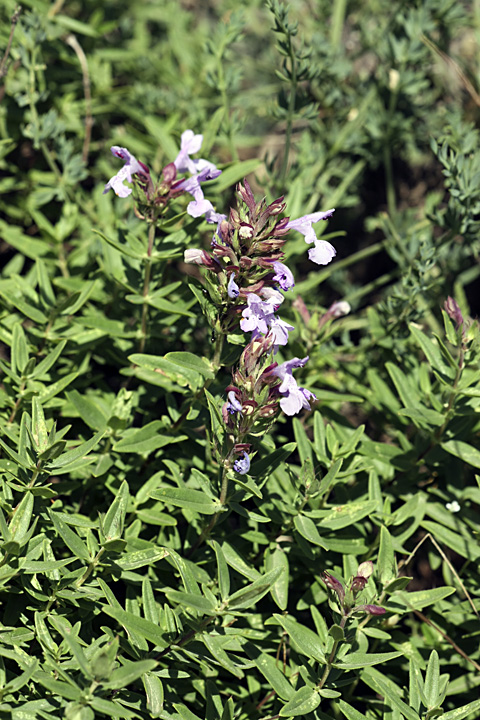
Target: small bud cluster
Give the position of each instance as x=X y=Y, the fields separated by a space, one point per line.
x=347 y=597
x=156 y=196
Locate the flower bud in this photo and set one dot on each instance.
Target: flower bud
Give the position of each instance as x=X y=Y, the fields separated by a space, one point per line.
x=246 y=231
x=374 y=609
x=365 y=569
x=333 y=584
x=358 y=584
x=276 y=207
x=453 y=311
x=337 y=309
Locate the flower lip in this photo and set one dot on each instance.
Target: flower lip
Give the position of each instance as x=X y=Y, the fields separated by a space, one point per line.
x=233 y=291
x=283 y=275
x=131 y=167
x=242 y=465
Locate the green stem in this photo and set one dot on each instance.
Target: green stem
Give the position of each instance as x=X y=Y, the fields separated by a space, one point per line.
x=291 y=111
x=18 y=401
x=222 y=86
x=337 y=22
x=35 y=475
x=146 y=286
x=331 y=657
x=90 y=568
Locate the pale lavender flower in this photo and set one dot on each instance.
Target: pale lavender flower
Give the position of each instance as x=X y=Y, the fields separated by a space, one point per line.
x=304 y=224
x=294 y=397
x=283 y=276
x=233 y=290
x=274 y=296
x=132 y=167
x=339 y=308
x=242 y=465
x=233 y=405
x=190 y=144
x=279 y=329
x=195 y=256
x=256 y=316
x=213 y=217
x=323 y=251
x=199 y=206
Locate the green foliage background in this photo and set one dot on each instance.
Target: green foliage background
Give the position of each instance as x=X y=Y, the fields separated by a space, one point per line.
x=114 y=603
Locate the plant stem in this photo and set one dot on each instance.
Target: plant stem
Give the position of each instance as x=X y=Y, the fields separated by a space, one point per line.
x=90 y=568
x=291 y=111
x=331 y=657
x=146 y=286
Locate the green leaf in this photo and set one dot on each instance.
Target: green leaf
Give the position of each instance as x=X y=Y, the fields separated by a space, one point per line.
x=349 y=711
x=19 y=356
x=189 y=361
x=192 y=600
x=70 y=538
x=461 y=544
x=277 y=558
x=187 y=499
x=269 y=668
x=462 y=712
x=215 y=644
x=432 y=352
x=20 y=522
x=307 y=529
x=432 y=679
x=154 y=692
x=223 y=573
x=184 y=375
x=343 y=516
x=146 y=440
x=389 y=691
x=423 y=598
x=74 y=646
x=235 y=173
x=249 y=595
x=304 y=701
x=115 y=517
x=92 y=413
x=128 y=673
x=386 y=558
x=146 y=629
x=464 y=451
x=140 y=558
x=79 y=452
x=306 y=641
x=357 y=660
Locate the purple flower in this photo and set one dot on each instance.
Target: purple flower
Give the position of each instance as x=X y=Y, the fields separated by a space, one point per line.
x=195 y=256
x=199 y=206
x=213 y=217
x=233 y=405
x=294 y=397
x=132 y=167
x=273 y=296
x=257 y=315
x=283 y=276
x=323 y=251
x=233 y=290
x=190 y=144
x=280 y=329
x=242 y=465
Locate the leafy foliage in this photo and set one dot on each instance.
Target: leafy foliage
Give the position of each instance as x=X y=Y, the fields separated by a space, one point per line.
x=140 y=576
